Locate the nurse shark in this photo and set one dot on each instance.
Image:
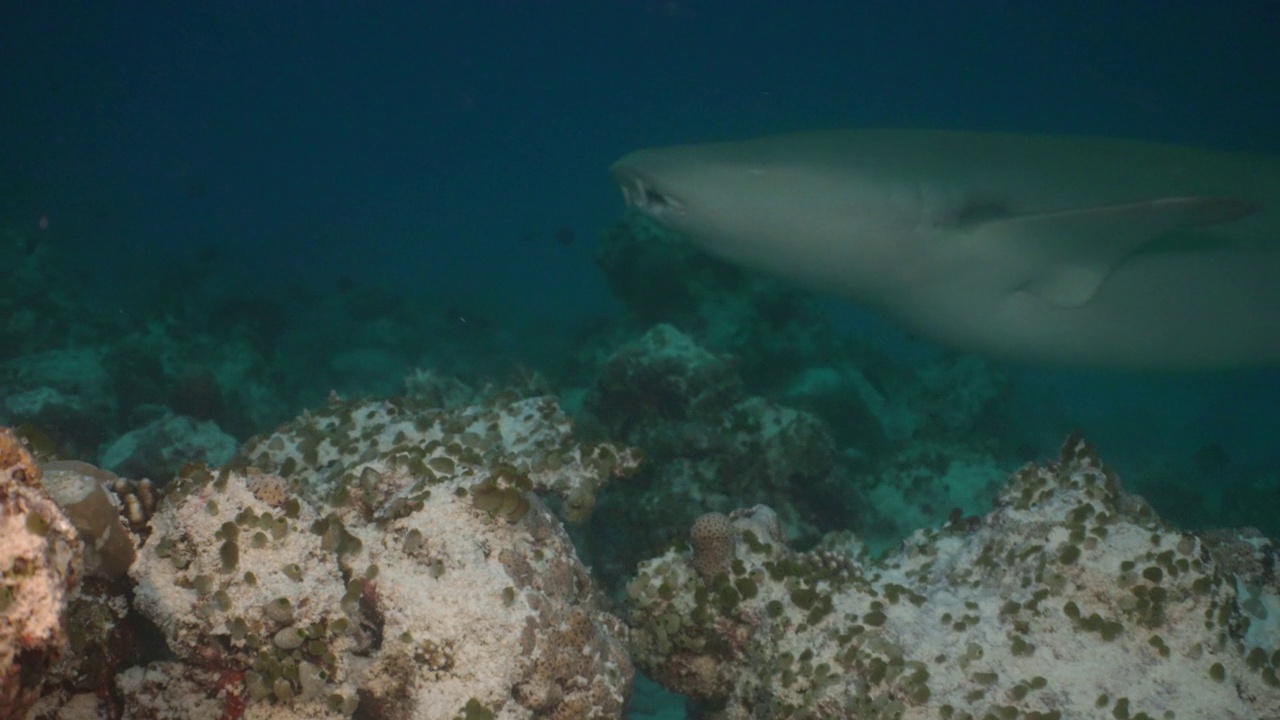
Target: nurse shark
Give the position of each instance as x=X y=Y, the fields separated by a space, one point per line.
x=1063 y=250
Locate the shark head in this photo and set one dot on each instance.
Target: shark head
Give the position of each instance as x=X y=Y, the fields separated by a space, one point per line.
x=742 y=201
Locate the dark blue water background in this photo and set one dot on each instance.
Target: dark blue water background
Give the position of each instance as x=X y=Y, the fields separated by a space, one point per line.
x=440 y=147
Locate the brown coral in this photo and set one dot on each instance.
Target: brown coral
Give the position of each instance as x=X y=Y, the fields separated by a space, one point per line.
x=82 y=491
x=712 y=538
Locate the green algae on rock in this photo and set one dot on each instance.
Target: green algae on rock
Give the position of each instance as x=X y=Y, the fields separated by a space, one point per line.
x=386 y=582
x=1070 y=591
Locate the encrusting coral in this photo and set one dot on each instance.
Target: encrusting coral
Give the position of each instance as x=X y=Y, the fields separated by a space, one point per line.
x=1070 y=599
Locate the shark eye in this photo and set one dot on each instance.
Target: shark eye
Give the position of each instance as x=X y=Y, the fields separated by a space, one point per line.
x=979 y=212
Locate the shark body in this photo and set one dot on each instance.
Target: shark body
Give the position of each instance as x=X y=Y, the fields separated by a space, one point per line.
x=1050 y=249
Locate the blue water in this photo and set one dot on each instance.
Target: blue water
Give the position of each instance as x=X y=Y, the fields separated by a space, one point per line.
x=458 y=152
x=443 y=144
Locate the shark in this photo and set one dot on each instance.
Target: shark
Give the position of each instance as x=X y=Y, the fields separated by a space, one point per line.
x=1062 y=250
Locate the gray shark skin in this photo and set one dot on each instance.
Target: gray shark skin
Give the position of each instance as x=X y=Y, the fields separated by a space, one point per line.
x=1074 y=251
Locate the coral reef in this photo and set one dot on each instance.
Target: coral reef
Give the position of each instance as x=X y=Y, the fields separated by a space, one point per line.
x=398 y=565
x=405 y=558
x=67 y=392
x=375 y=559
x=165 y=445
x=1070 y=599
x=164 y=367
x=772 y=329
x=82 y=491
x=887 y=457
x=39 y=566
x=531 y=436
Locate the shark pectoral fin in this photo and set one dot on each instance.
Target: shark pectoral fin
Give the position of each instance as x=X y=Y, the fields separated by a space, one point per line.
x=1069 y=286
x=1076 y=250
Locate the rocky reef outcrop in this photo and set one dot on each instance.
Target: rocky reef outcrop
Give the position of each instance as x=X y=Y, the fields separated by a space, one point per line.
x=379 y=559
x=1070 y=599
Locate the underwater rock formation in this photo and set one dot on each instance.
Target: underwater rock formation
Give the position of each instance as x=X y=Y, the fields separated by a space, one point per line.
x=163 y=446
x=69 y=392
x=529 y=437
x=714 y=446
x=39 y=566
x=399 y=560
x=771 y=328
x=377 y=559
x=1070 y=599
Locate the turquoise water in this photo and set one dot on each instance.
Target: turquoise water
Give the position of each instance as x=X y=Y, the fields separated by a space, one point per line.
x=226 y=212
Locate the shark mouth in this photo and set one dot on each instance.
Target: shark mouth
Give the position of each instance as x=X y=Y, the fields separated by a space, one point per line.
x=640 y=194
